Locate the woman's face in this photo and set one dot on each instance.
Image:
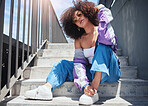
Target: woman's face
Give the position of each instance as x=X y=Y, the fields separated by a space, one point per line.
x=79 y=19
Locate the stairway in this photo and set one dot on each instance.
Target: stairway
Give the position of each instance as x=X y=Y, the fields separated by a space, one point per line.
x=127 y=91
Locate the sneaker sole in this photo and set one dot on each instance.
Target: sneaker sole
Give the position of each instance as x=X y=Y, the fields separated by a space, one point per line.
x=39 y=98
x=85 y=103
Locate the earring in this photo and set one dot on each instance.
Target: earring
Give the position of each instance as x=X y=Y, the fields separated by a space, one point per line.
x=78 y=29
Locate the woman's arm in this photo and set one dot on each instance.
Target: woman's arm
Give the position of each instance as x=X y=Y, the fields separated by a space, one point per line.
x=98 y=7
x=77 y=44
x=104 y=14
x=105 y=29
x=79 y=69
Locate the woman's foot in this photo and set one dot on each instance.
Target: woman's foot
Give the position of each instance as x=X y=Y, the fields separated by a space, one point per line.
x=42 y=92
x=88 y=100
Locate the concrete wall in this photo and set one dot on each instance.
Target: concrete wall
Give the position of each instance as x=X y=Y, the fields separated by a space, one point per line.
x=58 y=35
x=54 y=28
x=131 y=27
x=50 y=27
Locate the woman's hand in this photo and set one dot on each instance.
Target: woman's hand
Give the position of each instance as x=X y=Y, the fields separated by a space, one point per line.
x=89 y=90
x=98 y=7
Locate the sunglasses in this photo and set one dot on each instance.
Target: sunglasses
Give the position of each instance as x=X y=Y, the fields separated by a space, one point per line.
x=79 y=14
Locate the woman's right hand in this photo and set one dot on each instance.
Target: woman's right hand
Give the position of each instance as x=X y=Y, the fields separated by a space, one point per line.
x=89 y=90
x=98 y=7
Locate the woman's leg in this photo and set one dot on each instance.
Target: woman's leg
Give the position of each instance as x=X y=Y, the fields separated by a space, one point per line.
x=61 y=72
x=105 y=66
x=48 y=85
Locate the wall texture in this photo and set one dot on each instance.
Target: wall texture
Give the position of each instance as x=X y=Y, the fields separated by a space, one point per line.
x=131 y=27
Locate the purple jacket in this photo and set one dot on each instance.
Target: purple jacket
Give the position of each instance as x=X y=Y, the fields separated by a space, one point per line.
x=106 y=32
x=106 y=36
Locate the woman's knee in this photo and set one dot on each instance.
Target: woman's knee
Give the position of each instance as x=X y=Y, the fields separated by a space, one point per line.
x=66 y=63
x=63 y=61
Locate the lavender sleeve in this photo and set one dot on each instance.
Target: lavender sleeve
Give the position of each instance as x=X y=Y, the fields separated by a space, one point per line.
x=106 y=32
x=79 y=70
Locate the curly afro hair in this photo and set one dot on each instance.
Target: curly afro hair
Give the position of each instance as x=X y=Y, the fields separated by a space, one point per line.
x=69 y=27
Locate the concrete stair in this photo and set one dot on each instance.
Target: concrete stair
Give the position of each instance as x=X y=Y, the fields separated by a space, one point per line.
x=127 y=91
x=50 y=61
x=124 y=87
x=33 y=72
x=71 y=101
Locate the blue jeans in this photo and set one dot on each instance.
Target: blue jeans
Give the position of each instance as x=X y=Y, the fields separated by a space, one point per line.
x=104 y=60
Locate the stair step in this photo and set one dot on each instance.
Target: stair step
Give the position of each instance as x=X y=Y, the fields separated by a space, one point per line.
x=42 y=72
x=61 y=46
x=69 y=101
x=124 y=87
x=50 y=61
x=62 y=53
x=119 y=52
x=57 y=53
x=128 y=72
x=123 y=60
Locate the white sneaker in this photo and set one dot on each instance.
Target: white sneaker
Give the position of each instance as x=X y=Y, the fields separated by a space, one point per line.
x=88 y=100
x=42 y=92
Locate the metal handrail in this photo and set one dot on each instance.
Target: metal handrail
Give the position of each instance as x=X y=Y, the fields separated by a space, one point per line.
x=50 y=30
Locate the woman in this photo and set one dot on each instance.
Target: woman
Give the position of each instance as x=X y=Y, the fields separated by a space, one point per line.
x=94 y=60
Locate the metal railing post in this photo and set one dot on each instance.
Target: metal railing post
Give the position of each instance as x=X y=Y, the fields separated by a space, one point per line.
x=17 y=38
x=2 y=8
x=43 y=29
x=39 y=23
x=36 y=15
x=28 y=31
x=23 y=33
x=47 y=20
x=42 y=23
x=10 y=44
x=50 y=23
x=34 y=27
